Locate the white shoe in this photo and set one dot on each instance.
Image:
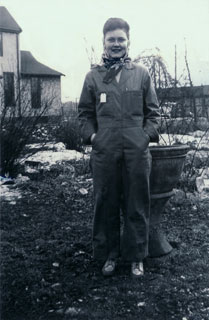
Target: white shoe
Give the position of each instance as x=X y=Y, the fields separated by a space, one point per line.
x=109 y=268
x=137 y=269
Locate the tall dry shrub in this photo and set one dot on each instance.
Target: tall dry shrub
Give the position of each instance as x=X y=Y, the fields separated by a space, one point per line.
x=18 y=123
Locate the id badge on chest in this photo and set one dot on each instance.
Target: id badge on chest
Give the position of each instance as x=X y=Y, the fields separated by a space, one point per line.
x=103 y=97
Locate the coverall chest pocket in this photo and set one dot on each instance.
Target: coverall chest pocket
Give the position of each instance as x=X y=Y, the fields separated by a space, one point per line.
x=132 y=103
x=105 y=104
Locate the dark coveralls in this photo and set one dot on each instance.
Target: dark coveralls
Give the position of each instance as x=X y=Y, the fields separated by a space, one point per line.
x=124 y=117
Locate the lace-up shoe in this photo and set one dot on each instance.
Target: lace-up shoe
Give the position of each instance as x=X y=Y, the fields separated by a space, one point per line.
x=109 y=268
x=137 y=269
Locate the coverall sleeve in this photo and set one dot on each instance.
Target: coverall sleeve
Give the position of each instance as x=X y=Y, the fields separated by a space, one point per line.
x=87 y=110
x=151 y=110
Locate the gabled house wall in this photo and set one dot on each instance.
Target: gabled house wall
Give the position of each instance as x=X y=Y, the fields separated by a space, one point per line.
x=50 y=88
x=52 y=91
x=9 y=59
x=35 y=84
x=9 y=63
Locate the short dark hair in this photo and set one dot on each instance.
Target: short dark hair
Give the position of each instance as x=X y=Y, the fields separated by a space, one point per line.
x=116 y=23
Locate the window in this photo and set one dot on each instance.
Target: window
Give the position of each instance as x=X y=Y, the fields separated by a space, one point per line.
x=35 y=93
x=9 y=90
x=1 y=44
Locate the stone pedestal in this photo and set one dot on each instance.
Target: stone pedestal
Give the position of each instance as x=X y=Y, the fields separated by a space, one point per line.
x=158 y=244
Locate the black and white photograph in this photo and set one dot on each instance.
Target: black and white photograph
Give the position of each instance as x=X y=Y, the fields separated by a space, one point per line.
x=104 y=160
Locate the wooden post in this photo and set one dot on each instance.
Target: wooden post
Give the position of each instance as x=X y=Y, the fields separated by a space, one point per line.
x=175 y=83
x=191 y=86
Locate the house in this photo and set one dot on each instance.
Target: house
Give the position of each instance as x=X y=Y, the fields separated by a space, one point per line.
x=26 y=85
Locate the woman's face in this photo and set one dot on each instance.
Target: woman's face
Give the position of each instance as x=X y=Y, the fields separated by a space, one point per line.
x=116 y=43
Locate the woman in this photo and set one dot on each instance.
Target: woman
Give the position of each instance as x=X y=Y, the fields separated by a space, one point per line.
x=118 y=113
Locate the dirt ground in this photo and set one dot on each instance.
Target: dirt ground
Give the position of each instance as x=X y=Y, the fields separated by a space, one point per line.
x=47 y=268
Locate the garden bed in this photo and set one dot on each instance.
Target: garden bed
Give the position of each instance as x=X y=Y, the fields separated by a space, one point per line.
x=48 y=271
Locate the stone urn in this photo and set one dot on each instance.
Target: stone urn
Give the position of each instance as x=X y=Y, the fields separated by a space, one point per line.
x=167 y=165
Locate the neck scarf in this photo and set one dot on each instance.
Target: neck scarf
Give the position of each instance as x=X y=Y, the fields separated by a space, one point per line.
x=113 y=66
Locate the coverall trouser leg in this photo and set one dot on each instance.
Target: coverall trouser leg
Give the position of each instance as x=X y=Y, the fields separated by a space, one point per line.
x=107 y=194
x=117 y=173
x=136 y=193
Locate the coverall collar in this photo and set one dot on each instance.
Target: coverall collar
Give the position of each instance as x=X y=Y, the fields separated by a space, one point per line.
x=128 y=66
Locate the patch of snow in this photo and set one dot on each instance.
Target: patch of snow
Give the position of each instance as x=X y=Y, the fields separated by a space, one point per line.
x=166 y=139
x=5 y=179
x=8 y=192
x=21 y=179
x=50 y=157
x=59 y=146
x=30 y=170
x=9 y=195
x=202 y=182
x=55 y=146
x=199 y=141
x=199 y=133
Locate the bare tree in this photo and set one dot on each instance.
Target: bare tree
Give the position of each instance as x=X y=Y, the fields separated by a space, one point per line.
x=157 y=68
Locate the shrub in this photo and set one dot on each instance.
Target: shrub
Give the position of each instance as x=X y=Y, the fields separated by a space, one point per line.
x=15 y=135
x=17 y=128
x=68 y=132
x=177 y=125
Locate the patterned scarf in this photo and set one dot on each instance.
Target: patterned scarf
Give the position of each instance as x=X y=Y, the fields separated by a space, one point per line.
x=113 y=66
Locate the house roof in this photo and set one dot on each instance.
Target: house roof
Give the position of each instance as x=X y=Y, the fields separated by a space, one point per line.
x=7 y=22
x=30 y=66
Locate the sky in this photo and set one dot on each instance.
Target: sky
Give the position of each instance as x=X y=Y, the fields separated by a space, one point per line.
x=61 y=33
